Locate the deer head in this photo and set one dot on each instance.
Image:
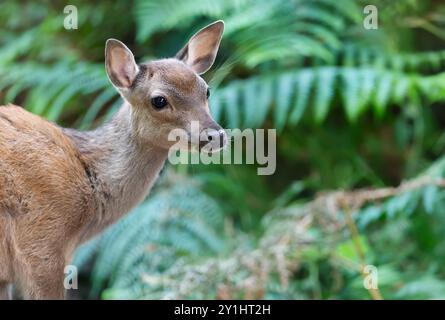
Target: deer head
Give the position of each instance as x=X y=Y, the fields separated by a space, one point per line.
x=169 y=94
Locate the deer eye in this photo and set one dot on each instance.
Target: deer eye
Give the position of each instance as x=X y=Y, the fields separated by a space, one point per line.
x=208 y=93
x=158 y=102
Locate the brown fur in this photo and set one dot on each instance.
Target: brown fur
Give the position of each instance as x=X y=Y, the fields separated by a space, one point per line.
x=59 y=187
x=43 y=187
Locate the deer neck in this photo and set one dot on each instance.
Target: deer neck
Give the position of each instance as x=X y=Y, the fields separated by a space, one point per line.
x=123 y=168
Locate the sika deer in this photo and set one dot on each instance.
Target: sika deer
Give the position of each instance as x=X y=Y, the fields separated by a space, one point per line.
x=59 y=187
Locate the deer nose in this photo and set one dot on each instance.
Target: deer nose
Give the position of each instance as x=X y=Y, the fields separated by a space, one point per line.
x=217 y=137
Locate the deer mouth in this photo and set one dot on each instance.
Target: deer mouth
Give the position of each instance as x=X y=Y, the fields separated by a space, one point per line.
x=212 y=140
x=209 y=140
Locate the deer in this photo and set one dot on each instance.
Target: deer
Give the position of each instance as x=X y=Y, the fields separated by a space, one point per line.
x=59 y=187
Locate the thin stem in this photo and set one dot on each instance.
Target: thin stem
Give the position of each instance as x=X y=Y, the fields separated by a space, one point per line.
x=355 y=236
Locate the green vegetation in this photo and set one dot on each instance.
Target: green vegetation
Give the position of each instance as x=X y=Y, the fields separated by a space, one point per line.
x=353 y=108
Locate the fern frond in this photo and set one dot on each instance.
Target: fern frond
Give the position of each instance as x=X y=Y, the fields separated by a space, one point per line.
x=310 y=31
x=50 y=89
x=359 y=88
x=151 y=17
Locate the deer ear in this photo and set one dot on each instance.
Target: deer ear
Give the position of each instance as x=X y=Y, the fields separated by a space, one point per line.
x=119 y=63
x=200 y=52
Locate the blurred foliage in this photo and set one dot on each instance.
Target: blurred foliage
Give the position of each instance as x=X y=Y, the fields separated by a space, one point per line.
x=353 y=108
